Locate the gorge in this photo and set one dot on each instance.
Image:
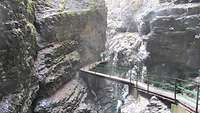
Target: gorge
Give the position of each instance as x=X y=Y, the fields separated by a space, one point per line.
x=44 y=43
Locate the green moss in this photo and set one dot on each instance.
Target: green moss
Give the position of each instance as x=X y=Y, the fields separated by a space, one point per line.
x=73 y=13
x=48 y=2
x=19 y=1
x=93 y=4
x=31 y=27
x=31 y=37
x=62 y=5
x=66 y=47
x=74 y=56
x=68 y=13
x=30 y=6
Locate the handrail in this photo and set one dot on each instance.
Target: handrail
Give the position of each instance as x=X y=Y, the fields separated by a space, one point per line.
x=179 y=79
x=174 y=78
x=174 y=84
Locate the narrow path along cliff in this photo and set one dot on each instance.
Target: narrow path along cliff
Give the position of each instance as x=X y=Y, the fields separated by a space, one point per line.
x=44 y=43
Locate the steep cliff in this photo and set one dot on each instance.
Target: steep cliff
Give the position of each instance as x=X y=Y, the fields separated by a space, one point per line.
x=173 y=40
x=161 y=36
x=71 y=35
x=83 y=21
x=167 y=31
x=43 y=45
x=18 y=83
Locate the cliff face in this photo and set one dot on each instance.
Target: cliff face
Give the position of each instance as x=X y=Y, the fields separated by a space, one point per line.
x=43 y=45
x=166 y=31
x=173 y=40
x=83 y=21
x=161 y=36
x=18 y=82
x=72 y=34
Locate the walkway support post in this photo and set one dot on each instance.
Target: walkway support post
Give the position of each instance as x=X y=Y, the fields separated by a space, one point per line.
x=137 y=86
x=197 y=101
x=130 y=77
x=136 y=83
x=148 y=85
x=175 y=89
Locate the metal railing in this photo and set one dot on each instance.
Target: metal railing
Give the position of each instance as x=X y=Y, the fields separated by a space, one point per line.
x=187 y=89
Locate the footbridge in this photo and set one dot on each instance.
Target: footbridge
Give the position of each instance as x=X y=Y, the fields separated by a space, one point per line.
x=184 y=93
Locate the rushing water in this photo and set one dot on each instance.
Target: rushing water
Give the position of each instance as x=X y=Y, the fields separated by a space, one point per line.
x=125 y=46
x=120 y=13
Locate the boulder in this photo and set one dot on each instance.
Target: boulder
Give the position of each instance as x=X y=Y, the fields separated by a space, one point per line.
x=156 y=106
x=65 y=100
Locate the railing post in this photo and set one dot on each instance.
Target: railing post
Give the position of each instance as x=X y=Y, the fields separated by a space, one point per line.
x=175 y=89
x=137 y=81
x=130 y=77
x=148 y=85
x=197 y=101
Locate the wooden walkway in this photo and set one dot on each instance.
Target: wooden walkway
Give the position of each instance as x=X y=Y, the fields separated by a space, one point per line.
x=165 y=94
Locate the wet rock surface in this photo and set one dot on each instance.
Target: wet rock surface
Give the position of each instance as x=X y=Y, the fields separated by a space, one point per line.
x=134 y=105
x=144 y=105
x=167 y=32
x=125 y=45
x=155 y=106
x=173 y=40
x=185 y=1
x=71 y=35
x=43 y=45
x=66 y=99
x=54 y=70
x=85 y=21
x=125 y=49
x=18 y=83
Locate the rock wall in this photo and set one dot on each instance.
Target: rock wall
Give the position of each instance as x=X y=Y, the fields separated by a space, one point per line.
x=18 y=83
x=43 y=45
x=179 y=1
x=164 y=36
x=71 y=35
x=123 y=39
x=85 y=21
x=168 y=28
x=173 y=40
